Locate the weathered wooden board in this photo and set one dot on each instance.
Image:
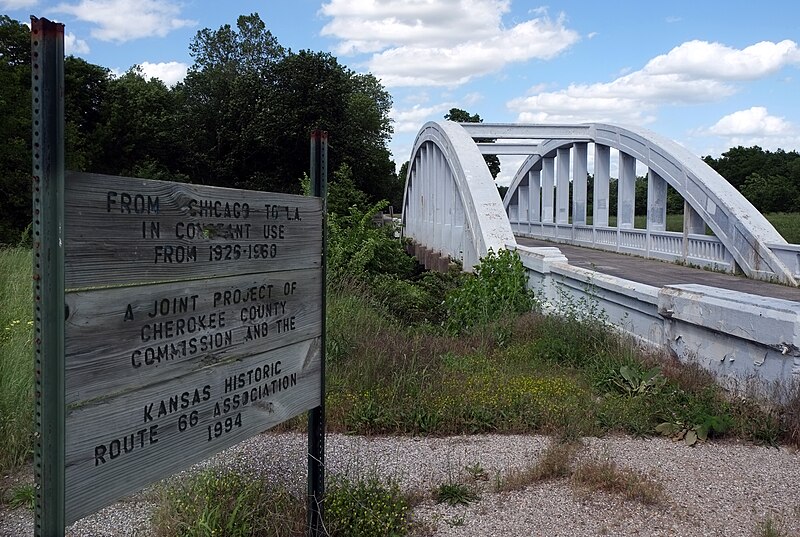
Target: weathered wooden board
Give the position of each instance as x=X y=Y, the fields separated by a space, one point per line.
x=118 y=445
x=120 y=339
x=122 y=230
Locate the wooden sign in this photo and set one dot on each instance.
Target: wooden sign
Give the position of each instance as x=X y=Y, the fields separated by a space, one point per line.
x=122 y=230
x=193 y=321
x=119 y=445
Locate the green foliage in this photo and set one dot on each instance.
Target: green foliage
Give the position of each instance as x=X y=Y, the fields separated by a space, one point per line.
x=365 y=507
x=769 y=179
x=771 y=193
x=454 y=494
x=223 y=502
x=358 y=249
x=498 y=289
x=343 y=193
x=631 y=381
x=709 y=426
x=241 y=118
x=15 y=129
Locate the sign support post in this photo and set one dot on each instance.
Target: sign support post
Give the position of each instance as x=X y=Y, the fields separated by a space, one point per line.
x=316 y=416
x=47 y=82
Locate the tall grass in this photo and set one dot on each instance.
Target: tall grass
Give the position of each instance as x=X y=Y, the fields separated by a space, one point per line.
x=530 y=374
x=787 y=224
x=16 y=357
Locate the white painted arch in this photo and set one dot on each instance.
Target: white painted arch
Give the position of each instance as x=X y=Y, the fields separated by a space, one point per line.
x=451 y=204
x=742 y=229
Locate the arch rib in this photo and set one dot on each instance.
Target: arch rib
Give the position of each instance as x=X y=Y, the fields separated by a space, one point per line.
x=477 y=211
x=741 y=228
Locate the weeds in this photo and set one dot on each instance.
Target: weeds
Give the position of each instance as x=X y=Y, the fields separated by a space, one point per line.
x=222 y=502
x=769 y=527
x=230 y=504
x=555 y=462
x=22 y=496
x=499 y=288
x=606 y=476
x=365 y=507
x=454 y=494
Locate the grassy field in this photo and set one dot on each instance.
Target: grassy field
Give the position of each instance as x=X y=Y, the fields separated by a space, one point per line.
x=532 y=374
x=16 y=358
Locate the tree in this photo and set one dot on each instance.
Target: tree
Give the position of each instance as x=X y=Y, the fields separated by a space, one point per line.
x=249 y=107
x=768 y=179
x=139 y=131
x=85 y=98
x=462 y=116
x=15 y=129
x=771 y=193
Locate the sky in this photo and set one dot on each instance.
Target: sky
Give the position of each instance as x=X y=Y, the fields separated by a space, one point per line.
x=709 y=74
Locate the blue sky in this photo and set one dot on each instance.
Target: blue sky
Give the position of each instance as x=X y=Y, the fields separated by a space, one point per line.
x=708 y=74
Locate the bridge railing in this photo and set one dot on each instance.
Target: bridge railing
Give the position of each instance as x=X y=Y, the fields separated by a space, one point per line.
x=789 y=254
x=691 y=249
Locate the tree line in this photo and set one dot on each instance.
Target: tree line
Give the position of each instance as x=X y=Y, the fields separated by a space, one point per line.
x=241 y=118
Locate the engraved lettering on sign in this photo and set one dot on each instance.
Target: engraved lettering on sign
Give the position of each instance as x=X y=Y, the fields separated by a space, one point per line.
x=218 y=209
x=121 y=446
x=167 y=352
x=176 y=402
x=175 y=254
x=194 y=230
x=178 y=304
x=126 y=203
x=283 y=212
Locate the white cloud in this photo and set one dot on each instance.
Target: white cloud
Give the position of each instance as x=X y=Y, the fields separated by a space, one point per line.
x=411 y=119
x=126 y=20
x=755 y=121
x=170 y=73
x=436 y=43
x=688 y=74
x=17 y=4
x=73 y=45
x=702 y=59
x=509 y=164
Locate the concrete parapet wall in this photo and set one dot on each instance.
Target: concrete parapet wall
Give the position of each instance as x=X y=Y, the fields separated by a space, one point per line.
x=737 y=336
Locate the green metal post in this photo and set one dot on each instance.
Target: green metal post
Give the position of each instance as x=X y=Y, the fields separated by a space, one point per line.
x=316 y=416
x=47 y=83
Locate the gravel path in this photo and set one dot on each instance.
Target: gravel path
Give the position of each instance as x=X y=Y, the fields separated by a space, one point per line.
x=714 y=489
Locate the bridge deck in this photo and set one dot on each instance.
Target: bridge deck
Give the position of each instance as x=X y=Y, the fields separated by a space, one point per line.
x=659 y=273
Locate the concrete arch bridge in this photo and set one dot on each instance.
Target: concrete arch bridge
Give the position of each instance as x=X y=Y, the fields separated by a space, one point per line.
x=452 y=210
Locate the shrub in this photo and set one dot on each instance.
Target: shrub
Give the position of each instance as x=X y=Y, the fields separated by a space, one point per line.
x=357 y=249
x=498 y=289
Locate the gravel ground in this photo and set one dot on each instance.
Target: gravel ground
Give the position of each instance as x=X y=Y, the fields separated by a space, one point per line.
x=714 y=489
